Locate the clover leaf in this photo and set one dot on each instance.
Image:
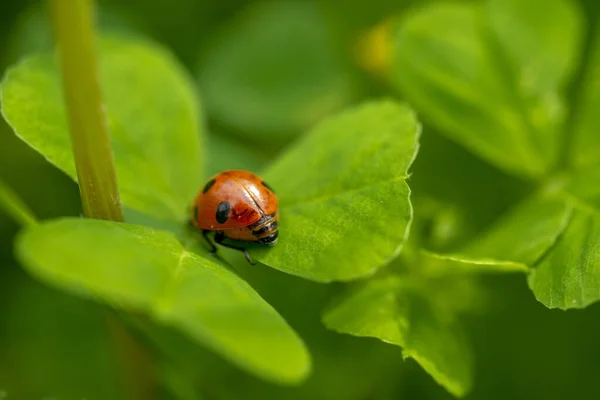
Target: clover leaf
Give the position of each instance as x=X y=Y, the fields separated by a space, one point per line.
x=393 y=310
x=585 y=146
x=344 y=201
x=158 y=159
x=524 y=235
x=551 y=239
x=569 y=276
x=491 y=75
x=585 y=149
x=135 y=268
x=456 y=63
x=558 y=241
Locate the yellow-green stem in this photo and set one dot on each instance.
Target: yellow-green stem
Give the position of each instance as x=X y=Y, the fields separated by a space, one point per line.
x=72 y=23
x=14 y=206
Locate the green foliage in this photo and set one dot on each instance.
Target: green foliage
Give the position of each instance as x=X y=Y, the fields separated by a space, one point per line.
x=491 y=76
x=141 y=269
x=581 y=190
x=388 y=310
x=169 y=271
x=156 y=176
x=320 y=205
x=504 y=98
x=402 y=309
x=486 y=81
x=524 y=235
x=505 y=185
x=274 y=71
x=149 y=265
x=586 y=146
x=568 y=276
x=343 y=198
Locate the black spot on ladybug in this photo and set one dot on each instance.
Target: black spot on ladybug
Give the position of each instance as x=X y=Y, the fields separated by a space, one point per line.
x=265 y=184
x=208 y=185
x=223 y=210
x=195 y=213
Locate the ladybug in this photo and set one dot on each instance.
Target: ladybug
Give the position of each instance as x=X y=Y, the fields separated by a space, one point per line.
x=237 y=205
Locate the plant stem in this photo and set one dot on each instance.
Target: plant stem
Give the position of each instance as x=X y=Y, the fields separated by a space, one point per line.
x=72 y=23
x=138 y=379
x=14 y=206
x=73 y=29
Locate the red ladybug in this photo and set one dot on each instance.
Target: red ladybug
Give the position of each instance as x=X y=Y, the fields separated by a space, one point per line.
x=237 y=205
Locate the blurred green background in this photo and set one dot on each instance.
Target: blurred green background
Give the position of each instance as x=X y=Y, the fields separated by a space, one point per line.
x=266 y=71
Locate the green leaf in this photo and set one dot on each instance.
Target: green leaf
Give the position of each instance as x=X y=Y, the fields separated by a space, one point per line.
x=586 y=145
x=582 y=187
x=274 y=71
x=227 y=153
x=490 y=75
x=152 y=113
x=376 y=309
x=569 y=277
x=389 y=310
x=443 y=264
x=343 y=200
x=542 y=49
x=520 y=237
x=141 y=269
x=441 y=348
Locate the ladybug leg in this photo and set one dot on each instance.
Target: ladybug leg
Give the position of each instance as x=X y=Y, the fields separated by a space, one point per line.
x=219 y=237
x=213 y=248
x=248 y=258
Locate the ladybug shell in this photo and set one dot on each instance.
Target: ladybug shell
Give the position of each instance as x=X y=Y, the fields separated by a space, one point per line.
x=233 y=199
